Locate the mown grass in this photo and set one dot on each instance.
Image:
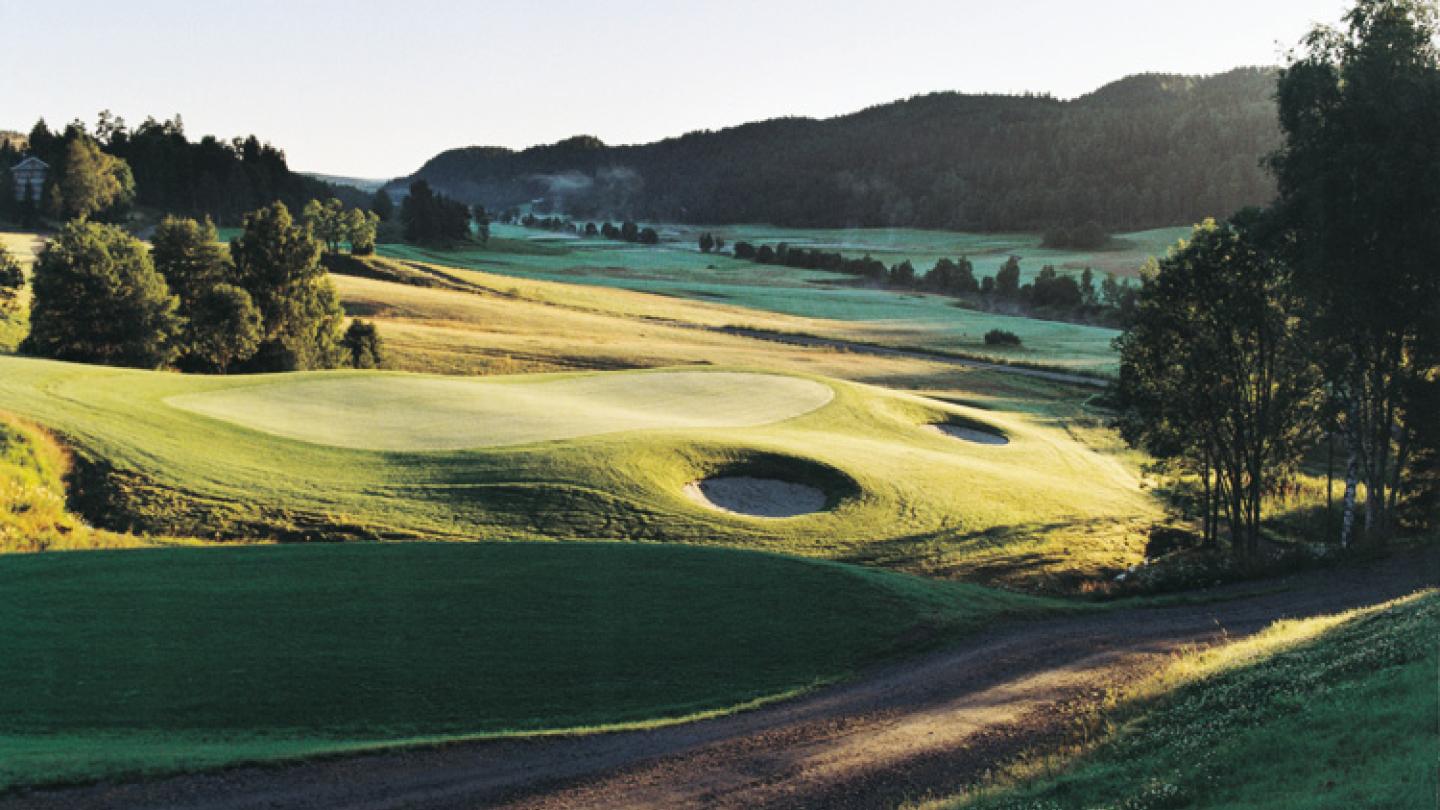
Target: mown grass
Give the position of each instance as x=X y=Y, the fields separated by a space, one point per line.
x=830 y=305
x=161 y=660
x=1331 y=712
x=1038 y=512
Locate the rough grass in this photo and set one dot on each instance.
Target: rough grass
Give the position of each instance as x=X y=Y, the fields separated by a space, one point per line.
x=162 y=660
x=33 y=513
x=408 y=413
x=1047 y=505
x=1332 y=712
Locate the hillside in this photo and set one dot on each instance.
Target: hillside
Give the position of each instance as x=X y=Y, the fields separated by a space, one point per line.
x=1145 y=151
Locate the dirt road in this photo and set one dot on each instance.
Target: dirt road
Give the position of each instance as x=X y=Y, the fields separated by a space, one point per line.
x=926 y=726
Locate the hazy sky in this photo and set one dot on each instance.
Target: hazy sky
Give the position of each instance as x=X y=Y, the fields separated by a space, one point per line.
x=373 y=88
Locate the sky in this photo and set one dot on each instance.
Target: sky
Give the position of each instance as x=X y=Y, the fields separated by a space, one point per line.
x=372 y=89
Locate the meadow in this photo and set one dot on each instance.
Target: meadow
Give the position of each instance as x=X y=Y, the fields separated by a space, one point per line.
x=1328 y=712
x=145 y=662
x=832 y=305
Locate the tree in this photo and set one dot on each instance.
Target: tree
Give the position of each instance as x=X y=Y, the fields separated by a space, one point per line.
x=278 y=263
x=1007 y=279
x=1359 y=182
x=1089 y=296
x=482 y=225
x=383 y=205
x=707 y=242
x=431 y=218
x=224 y=327
x=363 y=346
x=99 y=299
x=12 y=281
x=1216 y=371
x=188 y=254
x=648 y=236
x=903 y=274
x=328 y=222
x=360 y=229
x=88 y=181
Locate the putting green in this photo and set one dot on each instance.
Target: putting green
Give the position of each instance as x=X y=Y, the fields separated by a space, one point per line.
x=405 y=413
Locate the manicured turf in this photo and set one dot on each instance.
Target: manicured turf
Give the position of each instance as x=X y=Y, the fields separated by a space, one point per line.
x=144 y=661
x=403 y=412
x=839 y=307
x=901 y=494
x=1336 y=712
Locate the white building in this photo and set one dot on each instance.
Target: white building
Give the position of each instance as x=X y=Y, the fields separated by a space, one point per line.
x=29 y=175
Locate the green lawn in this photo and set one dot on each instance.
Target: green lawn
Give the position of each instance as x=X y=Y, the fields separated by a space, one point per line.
x=1044 y=505
x=1335 y=713
x=425 y=413
x=156 y=660
x=677 y=268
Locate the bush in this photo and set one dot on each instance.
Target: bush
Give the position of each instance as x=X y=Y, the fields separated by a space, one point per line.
x=1000 y=337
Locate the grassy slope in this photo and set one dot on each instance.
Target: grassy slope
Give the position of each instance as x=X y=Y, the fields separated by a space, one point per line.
x=182 y=658
x=829 y=305
x=13 y=326
x=1043 y=506
x=1334 y=712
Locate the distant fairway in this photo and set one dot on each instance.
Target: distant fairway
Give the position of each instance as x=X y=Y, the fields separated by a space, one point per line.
x=398 y=412
x=150 y=661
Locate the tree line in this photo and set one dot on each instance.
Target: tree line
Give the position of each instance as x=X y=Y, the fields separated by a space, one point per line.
x=99 y=295
x=1316 y=319
x=100 y=172
x=1051 y=294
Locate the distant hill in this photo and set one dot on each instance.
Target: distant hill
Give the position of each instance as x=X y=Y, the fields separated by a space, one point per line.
x=367 y=185
x=1146 y=151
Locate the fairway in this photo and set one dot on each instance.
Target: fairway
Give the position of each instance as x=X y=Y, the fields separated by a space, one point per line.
x=897 y=492
x=405 y=413
x=161 y=660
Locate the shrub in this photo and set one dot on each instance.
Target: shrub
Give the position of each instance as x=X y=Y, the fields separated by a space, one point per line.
x=1000 y=337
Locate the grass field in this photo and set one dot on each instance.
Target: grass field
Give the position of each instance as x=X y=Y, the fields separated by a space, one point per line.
x=1333 y=712
x=176 y=659
x=1041 y=511
x=13 y=326
x=827 y=303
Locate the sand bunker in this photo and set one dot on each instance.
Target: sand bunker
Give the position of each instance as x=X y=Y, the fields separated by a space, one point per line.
x=399 y=412
x=756 y=497
x=970 y=434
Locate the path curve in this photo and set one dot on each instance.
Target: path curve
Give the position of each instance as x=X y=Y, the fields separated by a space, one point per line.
x=923 y=727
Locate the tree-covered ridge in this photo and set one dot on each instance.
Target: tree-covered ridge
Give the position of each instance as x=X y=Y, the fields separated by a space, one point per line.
x=210 y=177
x=1146 y=151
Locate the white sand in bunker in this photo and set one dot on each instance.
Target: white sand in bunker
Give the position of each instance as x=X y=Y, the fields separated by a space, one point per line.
x=399 y=412
x=969 y=434
x=756 y=497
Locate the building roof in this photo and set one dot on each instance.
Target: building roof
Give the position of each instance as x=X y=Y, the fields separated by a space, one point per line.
x=31 y=162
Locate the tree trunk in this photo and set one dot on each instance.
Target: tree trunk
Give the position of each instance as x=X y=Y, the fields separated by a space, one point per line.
x=1352 y=475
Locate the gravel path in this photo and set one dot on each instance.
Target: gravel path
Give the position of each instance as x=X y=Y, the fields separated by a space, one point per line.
x=925 y=726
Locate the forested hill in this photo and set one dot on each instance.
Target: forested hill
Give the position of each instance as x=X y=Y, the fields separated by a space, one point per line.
x=1146 y=151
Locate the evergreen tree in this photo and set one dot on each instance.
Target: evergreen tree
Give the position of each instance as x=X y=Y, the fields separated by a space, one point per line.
x=278 y=263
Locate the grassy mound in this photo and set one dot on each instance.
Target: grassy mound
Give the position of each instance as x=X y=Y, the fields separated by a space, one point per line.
x=921 y=501
x=148 y=661
x=1334 y=712
x=406 y=413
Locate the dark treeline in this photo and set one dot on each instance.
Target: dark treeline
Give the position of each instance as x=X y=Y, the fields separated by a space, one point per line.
x=1146 y=151
x=430 y=218
x=1050 y=295
x=624 y=232
x=210 y=177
